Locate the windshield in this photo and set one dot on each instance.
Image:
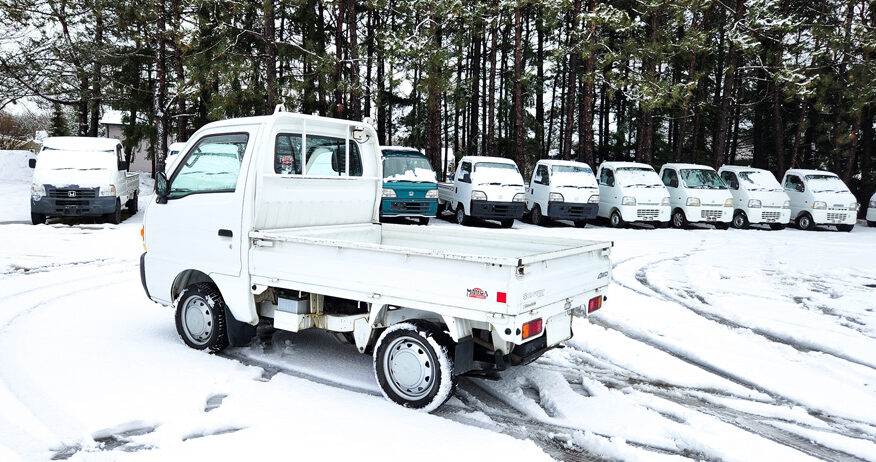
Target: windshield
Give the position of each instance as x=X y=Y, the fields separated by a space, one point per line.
x=638 y=177
x=498 y=173
x=53 y=159
x=759 y=181
x=572 y=176
x=697 y=178
x=414 y=168
x=826 y=183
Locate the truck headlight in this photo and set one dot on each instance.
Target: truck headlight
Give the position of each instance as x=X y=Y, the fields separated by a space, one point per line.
x=594 y=199
x=478 y=196
x=432 y=194
x=819 y=205
x=786 y=205
x=628 y=200
x=693 y=201
x=729 y=203
x=519 y=197
x=854 y=206
x=37 y=191
x=108 y=190
x=388 y=192
x=752 y=204
x=664 y=201
x=555 y=197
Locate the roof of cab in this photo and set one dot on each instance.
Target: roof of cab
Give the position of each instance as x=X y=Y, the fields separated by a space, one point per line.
x=503 y=160
x=688 y=166
x=551 y=162
x=396 y=150
x=281 y=116
x=619 y=164
x=80 y=143
x=803 y=171
x=741 y=168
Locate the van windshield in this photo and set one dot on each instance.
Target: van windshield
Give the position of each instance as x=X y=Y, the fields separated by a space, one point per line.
x=759 y=181
x=412 y=167
x=572 y=176
x=56 y=159
x=498 y=173
x=826 y=183
x=638 y=177
x=697 y=178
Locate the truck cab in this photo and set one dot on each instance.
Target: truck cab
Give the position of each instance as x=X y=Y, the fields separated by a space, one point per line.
x=82 y=177
x=631 y=192
x=871 y=212
x=410 y=186
x=757 y=197
x=697 y=195
x=562 y=190
x=819 y=197
x=489 y=188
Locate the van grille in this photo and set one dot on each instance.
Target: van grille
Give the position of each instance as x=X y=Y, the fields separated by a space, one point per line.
x=836 y=216
x=647 y=214
x=771 y=215
x=77 y=193
x=711 y=214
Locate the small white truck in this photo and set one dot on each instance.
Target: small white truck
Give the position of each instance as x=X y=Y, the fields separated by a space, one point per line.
x=77 y=176
x=632 y=192
x=820 y=197
x=697 y=195
x=562 y=190
x=489 y=188
x=871 y=212
x=757 y=197
x=271 y=236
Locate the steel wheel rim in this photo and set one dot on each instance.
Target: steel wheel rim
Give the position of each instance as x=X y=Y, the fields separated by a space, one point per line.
x=409 y=369
x=677 y=220
x=197 y=322
x=804 y=222
x=737 y=221
x=460 y=215
x=615 y=220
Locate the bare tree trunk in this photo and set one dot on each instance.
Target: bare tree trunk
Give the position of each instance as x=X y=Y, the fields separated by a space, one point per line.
x=433 y=102
x=475 y=91
x=539 y=83
x=719 y=144
x=339 y=110
x=270 y=56
x=96 y=90
x=381 y=84
x=160 y=89
x=571 y=94
x=355 y=91
x=586 y=113
x=180 y=72
x=491 y=92
x=518 y=93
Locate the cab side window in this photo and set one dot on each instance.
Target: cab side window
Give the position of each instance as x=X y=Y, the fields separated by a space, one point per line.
x=465 y=169
x=730 y=179
x=793 y=183
x=606 y=177
x=541 y=175
x=670 y=178
x=287 y=154
x=211 y=166
x=327 y=156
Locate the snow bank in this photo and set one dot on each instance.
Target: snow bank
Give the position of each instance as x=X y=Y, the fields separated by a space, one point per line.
x=13 y=165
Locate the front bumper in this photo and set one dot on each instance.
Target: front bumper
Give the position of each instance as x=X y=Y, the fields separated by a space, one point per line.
x=768 y=215
x=644 y=213
x=572 y=211
x=402 y=207
x=491 y=210
x=73 y=206
x=834 y=217
x=709 y=214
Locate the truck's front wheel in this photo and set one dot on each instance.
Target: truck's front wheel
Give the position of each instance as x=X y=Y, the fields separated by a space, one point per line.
x=461 y=217
x=200 y=317
x=413 y=365
x=115 y=217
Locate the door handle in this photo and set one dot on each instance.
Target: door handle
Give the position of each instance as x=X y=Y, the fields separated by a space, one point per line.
x=225 y=233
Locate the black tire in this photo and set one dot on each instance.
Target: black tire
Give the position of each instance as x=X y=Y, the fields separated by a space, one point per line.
x=461 y=217
x=580 y=223
x=722 y=225
x=777 y=226
x=805 y=222
x=845 y=228
x=423 y=221
x=201 y=298
x=116 y=216
x=740 y=220
x=425 y=355
x=616 y=220
x=506 y=223
x=871 y=224
x=678 y=219
x=37 y=218
x=537 y=218
x=133 y=204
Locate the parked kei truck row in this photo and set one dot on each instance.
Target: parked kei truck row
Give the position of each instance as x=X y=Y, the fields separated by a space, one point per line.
x=286 y=231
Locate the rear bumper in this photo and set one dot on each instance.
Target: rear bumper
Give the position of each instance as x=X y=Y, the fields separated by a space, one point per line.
x=73 y=207
x=491 y=210
x=400 y=207
x=572 y=211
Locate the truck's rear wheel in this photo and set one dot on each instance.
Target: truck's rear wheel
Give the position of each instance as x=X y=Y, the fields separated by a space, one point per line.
x=200 y=317
x=413 y=365
x=133 y=205
x=37 y=218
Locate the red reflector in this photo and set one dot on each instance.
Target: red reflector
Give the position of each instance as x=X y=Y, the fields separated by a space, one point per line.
x=594 y=304
x=500 y=297
x=530 y=329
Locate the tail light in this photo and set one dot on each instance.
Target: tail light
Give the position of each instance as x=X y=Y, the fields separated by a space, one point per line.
x=531 y=329
x=594 y=304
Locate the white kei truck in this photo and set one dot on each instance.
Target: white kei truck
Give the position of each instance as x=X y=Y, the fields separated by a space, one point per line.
x=871 y=212
x=562 y=190
x=819 y=197
x=487 y=188
x=80 y=176
x=288 y=233
x=697 y=195
x=757 y=197
x=631 y=192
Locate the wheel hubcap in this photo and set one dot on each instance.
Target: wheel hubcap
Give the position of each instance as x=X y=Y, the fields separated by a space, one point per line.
x=614 y=220
x=738 y=221
x=677 y=220
x=409 y=369
x=197 y=321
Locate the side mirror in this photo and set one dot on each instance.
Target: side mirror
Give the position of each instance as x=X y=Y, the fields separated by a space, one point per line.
x=799 y=188
x=123 y=165
x=161 y=187
x=31 y=163
x=466 y=177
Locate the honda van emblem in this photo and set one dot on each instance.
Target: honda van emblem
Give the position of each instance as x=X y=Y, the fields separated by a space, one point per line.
x=411 y=193
x=71 y=193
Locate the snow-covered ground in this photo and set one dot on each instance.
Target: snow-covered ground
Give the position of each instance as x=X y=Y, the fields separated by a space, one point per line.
x=716 y=345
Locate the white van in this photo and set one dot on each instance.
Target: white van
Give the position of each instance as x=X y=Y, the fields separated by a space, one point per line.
x=632 y=192
x=489 y=188
x=697 y=195
x=871 y=212
x=77 y=176
x=562 y=190
x=819 y=197
x=172 y=153
x=757 y=197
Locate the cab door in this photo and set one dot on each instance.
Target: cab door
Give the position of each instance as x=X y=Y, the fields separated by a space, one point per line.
x=540 y=188
x=463 y=185
x=608 y=191
x=796 y=191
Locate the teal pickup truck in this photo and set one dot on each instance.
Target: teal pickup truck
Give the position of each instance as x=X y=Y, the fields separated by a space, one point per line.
x=410 y=187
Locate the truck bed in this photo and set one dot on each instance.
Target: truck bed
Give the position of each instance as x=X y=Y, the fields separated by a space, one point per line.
x=425 y=267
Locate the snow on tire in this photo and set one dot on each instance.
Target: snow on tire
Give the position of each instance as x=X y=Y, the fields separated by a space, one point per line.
x=413 y=365
x=200 y=317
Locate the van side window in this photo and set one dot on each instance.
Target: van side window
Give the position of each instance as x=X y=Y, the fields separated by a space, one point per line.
x=464 y=168
x=606 y=177
x=670 y=177
x=792 y=182
x=730 y=179
x=287 y=154
x=541 y=175
x=327 y=156
x=211 y=166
